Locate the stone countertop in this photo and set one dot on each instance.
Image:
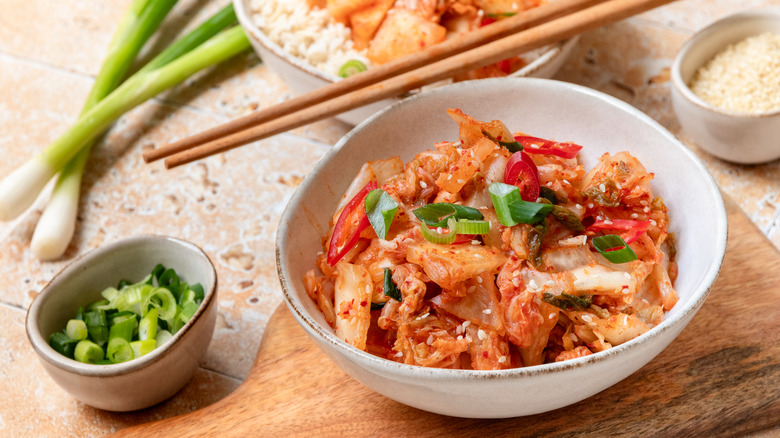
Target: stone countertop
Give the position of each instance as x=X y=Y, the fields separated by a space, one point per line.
x=230 y=204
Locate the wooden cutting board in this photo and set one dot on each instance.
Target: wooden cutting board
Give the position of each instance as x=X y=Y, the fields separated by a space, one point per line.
x=720 y=377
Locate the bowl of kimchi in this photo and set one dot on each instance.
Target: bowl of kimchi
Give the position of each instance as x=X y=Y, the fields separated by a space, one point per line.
x=308 y=43
x=501 y=247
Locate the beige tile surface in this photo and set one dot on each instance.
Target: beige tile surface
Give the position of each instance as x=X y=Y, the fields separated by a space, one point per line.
x=230 y=204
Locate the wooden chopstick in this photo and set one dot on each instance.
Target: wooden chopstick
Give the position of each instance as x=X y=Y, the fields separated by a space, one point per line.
x=450 y=47
x=555 y=30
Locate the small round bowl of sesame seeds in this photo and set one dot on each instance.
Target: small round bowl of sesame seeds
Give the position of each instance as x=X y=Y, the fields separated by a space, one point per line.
x=726 y=87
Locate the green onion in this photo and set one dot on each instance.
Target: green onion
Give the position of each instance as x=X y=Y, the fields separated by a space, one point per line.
x=119 y=350
x=391 y=290
x=467 y=226
x=568 y=302
x=380 y=209
x=76 y=329
x=163 y=300
x=68 y=153
x=351 y=67
x=502 y=195
x=97 y=326
x=88 y=352
x=437 y=214
x=525 y=212
x=63 y=344
x=147 y=328
x=433 y=235
x=614 y=248
x=512 y=146
x=162 y=337
x=141 y=348
x=123 y=327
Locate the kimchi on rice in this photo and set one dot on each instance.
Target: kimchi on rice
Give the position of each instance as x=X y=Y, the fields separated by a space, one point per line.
x=495 y=251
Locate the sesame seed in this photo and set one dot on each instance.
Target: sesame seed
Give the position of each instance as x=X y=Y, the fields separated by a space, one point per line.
x=516 y=282
x=423 y=184
x=439 y=230
x=459 y=337
x=578 y=206
x=429 y=341
x=449 y=177
x=587 y=318
x=645 y=301
x=459 y=329
x=551 y=316
x=460 y=181
x=566 y=181
x=487 y=311
x=475 y=242
x=466 y=324
x=617 y=184
x=479 y=256
x=534 y=145
x=425 y=315
x=627 y=275
x=646 y=209
x=516 y=273
x=590 y=205
x=607 y=222
x=634 y=215
x=653 y=222
x=479 y=280
x=481 y=334
x=399 y=354
x=502 y=359
x=532 y=284
x=643 y=202
x=602 y=187
x=549 y=183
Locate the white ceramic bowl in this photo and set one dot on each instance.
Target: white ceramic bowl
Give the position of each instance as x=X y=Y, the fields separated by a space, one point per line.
x=302 y=77
x=141 y=382
x=738 y=137
x=543 y=108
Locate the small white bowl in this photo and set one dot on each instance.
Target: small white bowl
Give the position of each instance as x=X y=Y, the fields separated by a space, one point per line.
x=302 y=77
x=141 y=382
x=543 y=108
x=738 y=137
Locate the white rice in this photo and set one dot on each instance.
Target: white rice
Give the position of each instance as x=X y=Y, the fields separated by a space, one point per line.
x=310 y=35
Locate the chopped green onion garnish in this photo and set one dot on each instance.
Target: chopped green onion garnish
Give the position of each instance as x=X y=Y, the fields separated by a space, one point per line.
x=147 y=328
x=351 y=67
x=119 y=350
x=76 y=329
x=163 y=300
x=436 y=215
x=529 y=212
x=123 y=328
x=163 y=336
x=614 y=248
x=512 y=146
x=391 y=290
x=502 y=195
x=124 y=324
x=380 y=209
x=63 y=344
x=438 y=234
x=88 y=352
x=466 y=226
x=141 y=348
x=568 y=302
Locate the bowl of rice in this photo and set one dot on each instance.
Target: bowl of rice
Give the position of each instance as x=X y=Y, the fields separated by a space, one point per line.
x=726 y=87
x=307 y=47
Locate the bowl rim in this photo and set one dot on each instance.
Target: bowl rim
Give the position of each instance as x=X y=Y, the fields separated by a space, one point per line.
x=245 y=19
x=51 y=356
x=701 y=291
x=707 y=32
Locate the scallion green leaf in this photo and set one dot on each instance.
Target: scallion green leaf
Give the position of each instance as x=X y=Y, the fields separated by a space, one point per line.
x=391 y=290
x=380 y=209
x=88 y=352
x=351 y=67
x=525 y=212
x=438 y=234
x=119 y=350
x=76 y=329
x=502 y=195
x=63 y=344
x=614 y=248
x=467 y=226
x=437 y=214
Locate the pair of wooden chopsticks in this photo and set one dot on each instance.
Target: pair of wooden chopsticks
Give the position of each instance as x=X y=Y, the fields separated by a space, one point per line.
x=549 y=23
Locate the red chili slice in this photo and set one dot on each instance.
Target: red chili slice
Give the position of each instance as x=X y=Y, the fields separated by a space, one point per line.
x=351 y=222
x=632 y=230
x=522 y=172
x=535 y=145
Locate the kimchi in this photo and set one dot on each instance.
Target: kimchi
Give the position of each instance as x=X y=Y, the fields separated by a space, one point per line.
x=497 y=250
